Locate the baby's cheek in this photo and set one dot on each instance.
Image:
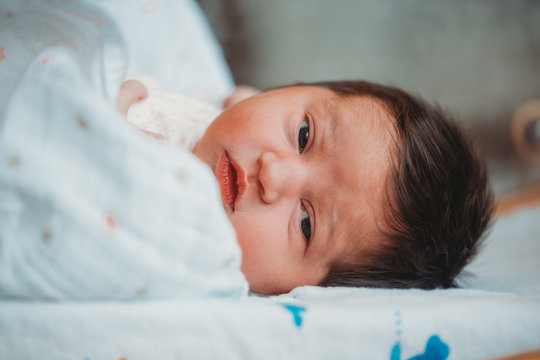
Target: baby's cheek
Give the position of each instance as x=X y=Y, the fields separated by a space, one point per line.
x=247 y=239
x=255 y=250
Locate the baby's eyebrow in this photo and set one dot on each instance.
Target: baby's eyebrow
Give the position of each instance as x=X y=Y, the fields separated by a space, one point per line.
x=330 y=108
x=333 y=221
x=331 y=138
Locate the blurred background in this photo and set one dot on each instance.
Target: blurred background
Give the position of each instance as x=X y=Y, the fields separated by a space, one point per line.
x=478 y=59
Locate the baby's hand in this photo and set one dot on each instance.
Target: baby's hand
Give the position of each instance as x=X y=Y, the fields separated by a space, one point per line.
x=240 y=93
x=130 y=92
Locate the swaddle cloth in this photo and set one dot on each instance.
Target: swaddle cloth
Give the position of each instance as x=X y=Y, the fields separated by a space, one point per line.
x=91 y=208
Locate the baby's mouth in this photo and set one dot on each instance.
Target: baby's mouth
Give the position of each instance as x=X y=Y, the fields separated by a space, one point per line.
x=227 y=177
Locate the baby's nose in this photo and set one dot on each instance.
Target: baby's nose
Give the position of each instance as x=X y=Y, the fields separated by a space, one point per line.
x=277 y=177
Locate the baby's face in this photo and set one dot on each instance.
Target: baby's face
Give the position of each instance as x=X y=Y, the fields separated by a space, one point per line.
x=302 y=173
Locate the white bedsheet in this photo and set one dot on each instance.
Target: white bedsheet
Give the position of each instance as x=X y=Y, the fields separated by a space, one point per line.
x=90 y=208
x=311 y=323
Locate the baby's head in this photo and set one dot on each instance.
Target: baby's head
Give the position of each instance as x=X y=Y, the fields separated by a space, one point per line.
x=347 y=184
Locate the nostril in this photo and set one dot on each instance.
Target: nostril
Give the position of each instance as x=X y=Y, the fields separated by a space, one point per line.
x=264 y=191
x=268 y=196
x=267 y=177
x=261 y=191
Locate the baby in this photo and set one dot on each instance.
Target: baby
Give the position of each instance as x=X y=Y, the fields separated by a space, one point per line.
x=345 y=183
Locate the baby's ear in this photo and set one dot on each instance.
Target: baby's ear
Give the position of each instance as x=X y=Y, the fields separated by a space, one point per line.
x=130 y=92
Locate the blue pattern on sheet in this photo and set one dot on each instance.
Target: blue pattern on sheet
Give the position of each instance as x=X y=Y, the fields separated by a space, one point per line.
x=436 y=349
x=297 y=312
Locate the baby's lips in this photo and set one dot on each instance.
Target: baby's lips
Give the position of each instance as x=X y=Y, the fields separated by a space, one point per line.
x=240 y=179
x=225 y=176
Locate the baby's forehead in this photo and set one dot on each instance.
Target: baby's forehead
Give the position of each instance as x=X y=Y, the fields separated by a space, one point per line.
x=368 y=107
x=365 y=222
x=364 y=156
x=373 y=115
x=359 y=229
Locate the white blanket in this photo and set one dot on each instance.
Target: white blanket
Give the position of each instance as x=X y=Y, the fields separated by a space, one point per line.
x=89 y=207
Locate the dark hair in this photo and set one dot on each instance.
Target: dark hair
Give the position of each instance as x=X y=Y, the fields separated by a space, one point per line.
x=439 y=202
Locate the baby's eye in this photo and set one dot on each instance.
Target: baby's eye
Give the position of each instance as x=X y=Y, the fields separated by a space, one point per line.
x=303 y=135
x=305 y=224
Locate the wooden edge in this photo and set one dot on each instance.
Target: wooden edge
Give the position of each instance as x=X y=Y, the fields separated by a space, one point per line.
x=520 y=199
x=533 y=355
